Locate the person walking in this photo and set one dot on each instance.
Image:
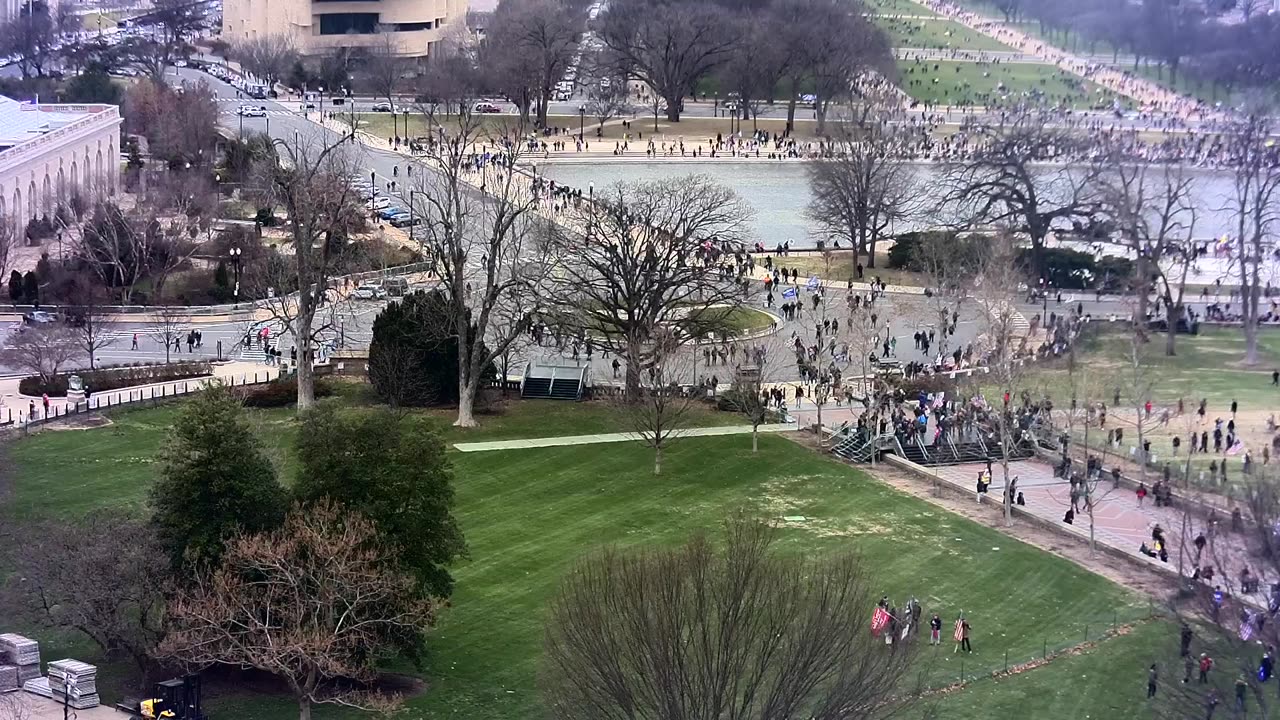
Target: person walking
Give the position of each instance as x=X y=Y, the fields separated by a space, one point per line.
x=1153 y=681
x=135 y=342
x=1242 y=689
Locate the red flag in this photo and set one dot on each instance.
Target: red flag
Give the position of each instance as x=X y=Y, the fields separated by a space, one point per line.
x=959 y=634
x=879 y=620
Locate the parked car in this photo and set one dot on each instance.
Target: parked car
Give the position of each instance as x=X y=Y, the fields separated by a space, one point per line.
x=369 y=291
x=405 y=220
x=379 y=202
x=486 y=107
x=252 y=111
x=39 y=317
x=391 y=211
x=381 y=107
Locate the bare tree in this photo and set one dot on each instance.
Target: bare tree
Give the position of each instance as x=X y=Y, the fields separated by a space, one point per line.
x=749 y=393
x=100 y=576
x=179 y=21
x=397 y=374
x=661 y=412
x=951 y=265
x=310 y=182
x=538 y=39
x=1255 y=205
x=860 y=188
x=669 y=46
x=42 y=350
x=31 y=38
x=169 y=325
x=644 y=266
x=1154 y=216
x=312 y=603
x=996 y=297
x=269 y=57
x=93 y=329
x=607 y=96
x=8 y=241
x=491 y=249
x=731 y=629
x=384 y=67
x=1006 y=182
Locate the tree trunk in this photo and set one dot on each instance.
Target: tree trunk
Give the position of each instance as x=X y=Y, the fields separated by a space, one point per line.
x=304 y=708
x=755 y=438
x=673 y=109
x=657 y=459
x=306 y=375
x=791 y=108
x=1170 y=335
x=466 y=404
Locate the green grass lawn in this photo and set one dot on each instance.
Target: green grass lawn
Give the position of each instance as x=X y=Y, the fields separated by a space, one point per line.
x=1002 y=84
x=529 y=514
x=943 y=34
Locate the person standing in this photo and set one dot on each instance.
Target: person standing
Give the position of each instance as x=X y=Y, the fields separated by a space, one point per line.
x=1242 y=689
x=935 y=630
x=964 y=636
x=1210 y=703
x=1206 y=664
x=135 y=342
x=1153 y=681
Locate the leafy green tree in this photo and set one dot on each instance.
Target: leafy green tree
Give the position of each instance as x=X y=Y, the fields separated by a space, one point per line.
x=393 y=469
x=15 y=286
x=93 y=85
x=214 y=481
x=411 y=362
x=31 y=287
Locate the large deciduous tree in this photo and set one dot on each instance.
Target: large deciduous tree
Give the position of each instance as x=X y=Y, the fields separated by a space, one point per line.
x=1254 y=203
x=734 y=629
x=214 y=481
x=42 y=350
x=642 y=278
x=310 y=181
x=1007 y=182
x=861 y=188
x=313 y=603
x=670 y=46
x=269 y=57
x=103 y=575
x=491 y=249
x=532 y=43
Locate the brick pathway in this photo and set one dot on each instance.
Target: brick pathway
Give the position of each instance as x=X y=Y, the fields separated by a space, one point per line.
x=1119 y=521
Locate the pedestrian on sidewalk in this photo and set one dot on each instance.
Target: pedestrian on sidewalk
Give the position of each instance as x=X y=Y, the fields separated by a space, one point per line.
x=135 y=342
x=1141 y=492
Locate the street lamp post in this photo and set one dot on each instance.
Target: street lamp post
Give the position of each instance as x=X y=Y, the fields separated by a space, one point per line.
x=406 y=125
x=582 y=121
x=235 y=262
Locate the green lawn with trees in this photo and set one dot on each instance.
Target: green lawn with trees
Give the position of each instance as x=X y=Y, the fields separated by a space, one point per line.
x=527 y=515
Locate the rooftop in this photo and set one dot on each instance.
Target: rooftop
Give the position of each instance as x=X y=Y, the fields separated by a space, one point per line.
x=21 y=121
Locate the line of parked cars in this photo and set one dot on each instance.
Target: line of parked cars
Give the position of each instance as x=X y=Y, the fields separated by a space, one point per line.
x=385 y=206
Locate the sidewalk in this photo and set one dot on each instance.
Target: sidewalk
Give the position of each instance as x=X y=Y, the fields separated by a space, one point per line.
x=1120 y=522
x=612 y=438
x=14 y=407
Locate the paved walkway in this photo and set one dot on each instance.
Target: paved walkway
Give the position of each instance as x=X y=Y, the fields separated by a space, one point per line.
x=612 y=438
x=1120 y=522
x=15 y=407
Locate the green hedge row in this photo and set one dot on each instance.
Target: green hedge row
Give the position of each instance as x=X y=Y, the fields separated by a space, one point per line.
x=114 y=378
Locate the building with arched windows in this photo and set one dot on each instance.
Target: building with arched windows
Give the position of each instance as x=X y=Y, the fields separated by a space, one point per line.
x=50 y=152
x=411 y=28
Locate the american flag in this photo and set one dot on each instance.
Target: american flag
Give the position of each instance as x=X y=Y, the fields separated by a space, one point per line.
x=1246 y=626
x=959 y=633
x=879 y=620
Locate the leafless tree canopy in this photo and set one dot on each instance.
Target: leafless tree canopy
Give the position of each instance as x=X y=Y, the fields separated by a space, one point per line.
x=311 y=603
x=1005 y=182
x=270 y=57
x=732 y=630
x=662 y=409
x=642 y=267
x=529 y=44
x=42 y=350
x=492 y=251
x=859 y=190
x=310 y=182
x=104 y=576
x=1255 y=203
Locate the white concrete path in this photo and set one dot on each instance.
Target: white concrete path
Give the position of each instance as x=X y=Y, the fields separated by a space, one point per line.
x=613 y=438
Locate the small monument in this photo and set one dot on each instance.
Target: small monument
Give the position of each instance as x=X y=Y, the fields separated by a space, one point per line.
x=75 y=389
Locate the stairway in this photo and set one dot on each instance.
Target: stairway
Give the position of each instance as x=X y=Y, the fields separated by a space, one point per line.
x=535 y=388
